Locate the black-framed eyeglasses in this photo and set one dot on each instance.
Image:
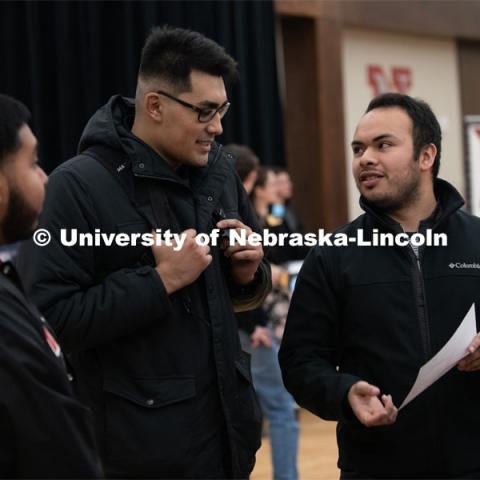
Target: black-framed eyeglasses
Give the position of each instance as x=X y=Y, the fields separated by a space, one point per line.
x=204 y=114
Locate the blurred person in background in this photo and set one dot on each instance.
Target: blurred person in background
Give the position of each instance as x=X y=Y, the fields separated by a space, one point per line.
x=46 y=432
x=283 y=207
x=259 y=332
x=246 y=164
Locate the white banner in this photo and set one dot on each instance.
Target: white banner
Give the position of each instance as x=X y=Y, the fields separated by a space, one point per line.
x=472 y=125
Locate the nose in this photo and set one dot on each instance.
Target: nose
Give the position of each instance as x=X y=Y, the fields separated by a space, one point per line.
x=368 y=158
x=214 y=126
x=43 y=176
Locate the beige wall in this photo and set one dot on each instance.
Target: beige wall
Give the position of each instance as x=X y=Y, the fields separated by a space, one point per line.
x=433 y=65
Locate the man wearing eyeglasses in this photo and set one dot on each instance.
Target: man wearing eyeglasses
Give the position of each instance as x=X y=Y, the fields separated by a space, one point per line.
x=151 y=330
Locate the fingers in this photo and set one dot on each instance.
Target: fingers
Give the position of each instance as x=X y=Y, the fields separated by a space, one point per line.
x=261 y=336
x=379 y=412
x=475 y=344
x=233 y=223
x=190 y=232
x=231 y=250
x=390 y=409
x=264 y=337
x=208 y=260
x=236 y=244
x=364 y=388
x=267 y=341
x=371 y=410
x=470 y=363
x=249 y=255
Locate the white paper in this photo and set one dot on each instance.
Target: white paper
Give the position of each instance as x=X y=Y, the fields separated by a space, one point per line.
x=450 y=354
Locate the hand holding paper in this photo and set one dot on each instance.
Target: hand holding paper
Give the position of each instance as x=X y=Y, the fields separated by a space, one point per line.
x=471 y=362
x=458 y=347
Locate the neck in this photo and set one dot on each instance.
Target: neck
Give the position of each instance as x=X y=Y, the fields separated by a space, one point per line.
x=140 y=131
x=410 y=216
x=261 y=207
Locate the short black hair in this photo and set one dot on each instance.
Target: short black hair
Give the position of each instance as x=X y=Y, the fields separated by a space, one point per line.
x=172 y=53
x=278 y=169
x=426 y=128
x=13 y=115
x=244 y=159
x=262 y=176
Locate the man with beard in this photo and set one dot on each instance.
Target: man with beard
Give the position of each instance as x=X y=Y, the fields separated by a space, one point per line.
x=363 y=320
x=46 y=433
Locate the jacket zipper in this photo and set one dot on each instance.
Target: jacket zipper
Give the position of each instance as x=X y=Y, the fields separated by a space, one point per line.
x=420 y=300
x=419 y=294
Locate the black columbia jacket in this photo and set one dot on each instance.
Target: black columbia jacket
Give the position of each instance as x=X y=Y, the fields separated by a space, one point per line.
x=160 y=372
x=378 y=315
x=45 y=431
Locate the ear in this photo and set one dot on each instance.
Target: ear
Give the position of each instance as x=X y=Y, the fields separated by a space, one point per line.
x=4 y=194
x=154 y=106
x=427 y=157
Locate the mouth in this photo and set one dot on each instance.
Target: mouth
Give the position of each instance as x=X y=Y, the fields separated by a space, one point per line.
x=205 y=145
x=370 y=179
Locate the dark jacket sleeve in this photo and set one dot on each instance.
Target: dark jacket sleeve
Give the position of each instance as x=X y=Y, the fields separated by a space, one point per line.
x=311 y=343
x=46 y=433
x=250 y=296
x=84 y=309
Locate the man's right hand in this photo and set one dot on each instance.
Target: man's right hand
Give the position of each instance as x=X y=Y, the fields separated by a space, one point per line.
x=178 y=269
x=368 y=408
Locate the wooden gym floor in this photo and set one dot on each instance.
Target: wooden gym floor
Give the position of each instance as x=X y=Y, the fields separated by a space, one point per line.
x=317 y=455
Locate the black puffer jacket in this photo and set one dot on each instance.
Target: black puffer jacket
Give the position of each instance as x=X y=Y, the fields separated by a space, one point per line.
x=373 y=313
x=145 y=361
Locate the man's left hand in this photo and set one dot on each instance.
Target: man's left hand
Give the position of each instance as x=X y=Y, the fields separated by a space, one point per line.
x=245 y=258
x=471 y=362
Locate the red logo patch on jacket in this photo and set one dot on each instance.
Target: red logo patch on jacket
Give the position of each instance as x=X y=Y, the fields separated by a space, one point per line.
x=52 y=343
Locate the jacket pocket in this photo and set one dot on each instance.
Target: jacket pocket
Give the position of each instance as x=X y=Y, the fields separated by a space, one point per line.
x=147 y=422
x=249 y=407
x=247 y=421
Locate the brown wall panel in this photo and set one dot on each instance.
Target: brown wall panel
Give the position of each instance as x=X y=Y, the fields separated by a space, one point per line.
x=469 y=68
x=301 y=115
x=331 y=113
x=314 y=120
x=448 y=18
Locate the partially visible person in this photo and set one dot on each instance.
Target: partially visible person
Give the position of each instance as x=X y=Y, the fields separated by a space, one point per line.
x=252 y=324
x=246 y=164
x=283 y=205
x=46 y=433
x=263 y=196
x=257 y=333
x=287 y=219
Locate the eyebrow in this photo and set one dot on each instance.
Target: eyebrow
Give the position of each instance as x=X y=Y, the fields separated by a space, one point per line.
x=378 y=138
x=209 y=104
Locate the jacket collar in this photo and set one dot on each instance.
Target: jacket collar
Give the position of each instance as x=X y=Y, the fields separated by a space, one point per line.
x=111 y=126
x=448 y=202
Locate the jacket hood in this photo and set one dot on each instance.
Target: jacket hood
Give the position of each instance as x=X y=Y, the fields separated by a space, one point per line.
x=109 y=124
x=448 y=201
